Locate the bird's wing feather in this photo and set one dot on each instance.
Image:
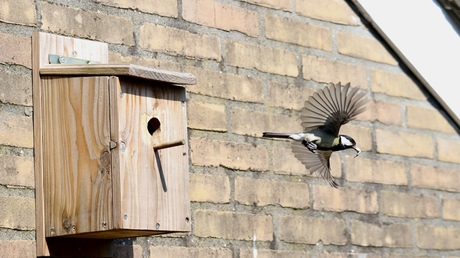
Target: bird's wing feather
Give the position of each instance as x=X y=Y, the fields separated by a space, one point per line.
x=318 y=163
x=330 y=108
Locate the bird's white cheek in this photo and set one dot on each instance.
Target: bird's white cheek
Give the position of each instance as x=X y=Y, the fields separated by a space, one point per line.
x=345 y=141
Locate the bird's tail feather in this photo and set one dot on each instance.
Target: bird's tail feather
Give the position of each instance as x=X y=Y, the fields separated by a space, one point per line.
x=276 y=135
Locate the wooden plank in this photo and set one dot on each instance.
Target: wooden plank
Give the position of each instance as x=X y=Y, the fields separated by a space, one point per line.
x=76 y=159
x=119 y=70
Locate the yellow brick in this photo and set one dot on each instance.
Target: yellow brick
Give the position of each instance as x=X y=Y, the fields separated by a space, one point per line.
x=265 y=59
x=221 y=16
x=335 y=11
x=16 y=88
x=253 y=123
x=448 y=149
x=299 y=33
x=265 y=253
x=18 y=11
x=383 y=112
x=285 y=5
x=395 y=84
x=363 y=47
x=209 y=188
x=288 y=96
x=18 y=248
x=15 y=50
x=375 y=171
x=351 y=254
x=18 y=171
x=405 y=144
x=226 y=85
x=233 y=225
x=362 y=135
x=262 y=192
x=16 y=131
x=178 y=42
x=409 y=205
x=95 y=25
x=428 y=118
x=206 y=116
x=393 y=235
x=17 y=213
x=342 y=199
x=164 y=7
x=189 y=252
x=437 y=237
x=237 y=155
x=117 y=58
x=327 y=70
x=297 y=229
x=435 y=177
x=450 y=208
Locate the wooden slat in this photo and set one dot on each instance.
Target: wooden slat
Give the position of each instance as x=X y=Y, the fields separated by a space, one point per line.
x=119 y=70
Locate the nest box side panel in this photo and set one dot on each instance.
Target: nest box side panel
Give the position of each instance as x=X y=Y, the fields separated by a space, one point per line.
x=151 y=113
x=76 y=154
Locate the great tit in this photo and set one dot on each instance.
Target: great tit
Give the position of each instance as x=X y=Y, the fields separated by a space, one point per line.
x=322 y=116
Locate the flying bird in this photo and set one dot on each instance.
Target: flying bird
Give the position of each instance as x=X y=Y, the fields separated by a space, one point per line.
x=322 y=116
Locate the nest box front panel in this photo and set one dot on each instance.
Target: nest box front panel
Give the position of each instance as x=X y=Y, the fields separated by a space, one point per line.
x=153 y=183
x=76 y=159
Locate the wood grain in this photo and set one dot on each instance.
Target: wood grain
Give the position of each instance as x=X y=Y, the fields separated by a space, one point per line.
x=119 y=70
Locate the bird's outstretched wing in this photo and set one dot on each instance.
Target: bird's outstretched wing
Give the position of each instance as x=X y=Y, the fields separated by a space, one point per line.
x=314 y=162
x=331 y=107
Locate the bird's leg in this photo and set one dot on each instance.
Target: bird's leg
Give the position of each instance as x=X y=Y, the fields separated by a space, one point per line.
x=311 y=146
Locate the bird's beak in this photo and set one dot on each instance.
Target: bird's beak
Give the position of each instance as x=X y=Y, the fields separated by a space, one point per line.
x=358 y=151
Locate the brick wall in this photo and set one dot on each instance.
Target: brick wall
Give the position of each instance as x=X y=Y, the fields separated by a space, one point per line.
x=256 y=62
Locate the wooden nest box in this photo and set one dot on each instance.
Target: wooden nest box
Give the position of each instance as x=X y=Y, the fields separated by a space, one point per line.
x=111 y=154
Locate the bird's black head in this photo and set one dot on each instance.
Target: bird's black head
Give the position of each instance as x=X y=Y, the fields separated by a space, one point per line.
x=347 y=142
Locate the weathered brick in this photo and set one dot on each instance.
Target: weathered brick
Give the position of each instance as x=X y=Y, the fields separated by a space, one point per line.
x=335 y=11
x=237 y=155
x=435 y=177
x=351 y=44
x=416 y=117
x=189 y=252
x=352 y=254
x=284 y=162
x=298 y=229
x=209 y=188
x=16 y=88
x=265 y=59
x=362 y=135
x=344 y=199
x=288 y=96
x=411 y=255
x=437 y=237
x=448 y=149
x=226 y=85
x=409 y=205
x=18 y=11
x=206 y=116
x=291 y=31
x=117 y=58
x=265 y=253
x=405 y=144
x=17 y=213
x=18 y=171
x=253 y=123
x=285 y=5
x=16 y=131
x=233 y=225
x=327 y=70
x=18 y=248
x=450 y=208
x=164 y=7
x=395 y=84
x=375 y=171
x=95 y=25
x=127 y=250
x=263 y=192
x=383 y=112
x=178 y=42
x=221 y=16
x=393 y=235
x=15 y=50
